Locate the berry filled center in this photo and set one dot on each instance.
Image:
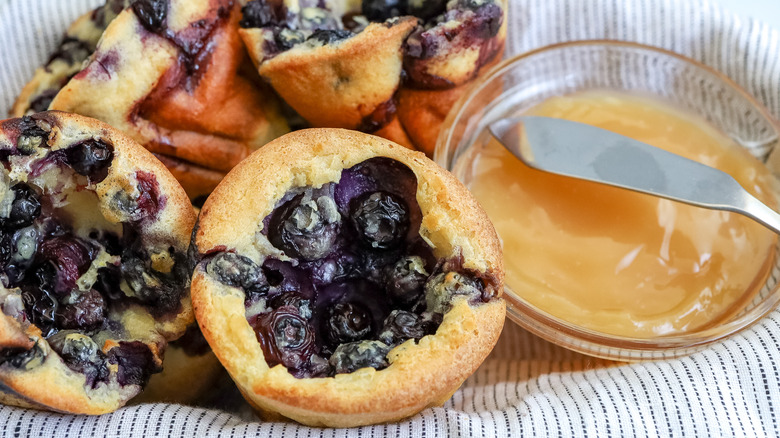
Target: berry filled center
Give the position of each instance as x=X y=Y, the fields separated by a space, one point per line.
x=68 y=270
x=355 y=278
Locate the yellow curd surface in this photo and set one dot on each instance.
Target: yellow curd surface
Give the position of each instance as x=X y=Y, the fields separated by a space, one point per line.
x=621 y=262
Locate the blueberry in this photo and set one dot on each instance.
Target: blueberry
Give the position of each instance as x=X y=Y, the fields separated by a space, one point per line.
x=143 y=207
x=24 y=246
x=237 y=271
x=258 y=13
x=338 y=266
x=6 y=249
x=401 y=325
x=90 y=158
x=286 y=277
x=347 y=322
x=305 y=228
x=71 y=51
x=110 y=242
x=108 y=280
x=328 y=36
x=31 y=137
x=375 y=264
x=381 y=10
x=285 y=337
x=293 y=299
x=70 y=259
x=281 y=39
x=135 y=361
x=86 y=313
x=427 y=9
x=355 y=355
x=151 y=13
x=381 y=219
x=160 y=291
x=143 y=283
x=441 y=289
x=40 y=306
x=405 y=280
x=21 y=358
x=42 y=101
x=25 y=207
x=81 y=354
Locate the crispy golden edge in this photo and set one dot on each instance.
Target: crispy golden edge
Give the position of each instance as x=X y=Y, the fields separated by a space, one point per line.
x=420 y=375
x=330 y=85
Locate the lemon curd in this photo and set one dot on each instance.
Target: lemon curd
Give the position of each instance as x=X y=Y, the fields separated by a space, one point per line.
x=617 y=261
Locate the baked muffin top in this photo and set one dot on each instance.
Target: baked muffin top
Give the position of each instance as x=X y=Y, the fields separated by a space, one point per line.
x=451 y=42
x=336 y=271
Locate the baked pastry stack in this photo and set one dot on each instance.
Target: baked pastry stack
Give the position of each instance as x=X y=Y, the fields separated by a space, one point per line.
x=389 y=67
x=340 y=278
x=169 y=74
x=94 y=274
x=345 y=280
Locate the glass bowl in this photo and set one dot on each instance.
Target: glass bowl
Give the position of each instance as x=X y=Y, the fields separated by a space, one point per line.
x=524 y=81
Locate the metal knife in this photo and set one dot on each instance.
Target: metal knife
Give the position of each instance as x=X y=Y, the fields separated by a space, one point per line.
x=586 y=152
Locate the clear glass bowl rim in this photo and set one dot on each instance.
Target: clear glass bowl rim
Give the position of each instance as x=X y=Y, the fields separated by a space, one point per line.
x=578 y=338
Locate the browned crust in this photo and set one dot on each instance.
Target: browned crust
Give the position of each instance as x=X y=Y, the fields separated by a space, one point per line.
x=422 y=111
x=420 y=375
x=337 y=85
x=305 y=79
x=196 y=180
x=394 y=132
x=52 y=385
x=132 y=82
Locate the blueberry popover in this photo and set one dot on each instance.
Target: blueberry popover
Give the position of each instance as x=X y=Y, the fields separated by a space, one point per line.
x=343 y=280
x=80 y=41
x=174 y=76
x=94 y=270
x=389 y=67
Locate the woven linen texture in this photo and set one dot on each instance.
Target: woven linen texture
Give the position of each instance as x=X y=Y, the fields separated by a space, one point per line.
x=527 y=387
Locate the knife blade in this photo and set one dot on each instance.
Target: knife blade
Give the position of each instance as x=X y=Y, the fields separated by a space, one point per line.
x=582 y=151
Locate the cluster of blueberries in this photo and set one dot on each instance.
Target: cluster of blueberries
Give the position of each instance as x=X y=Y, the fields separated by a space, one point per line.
x=40 y=255
x=357 y=278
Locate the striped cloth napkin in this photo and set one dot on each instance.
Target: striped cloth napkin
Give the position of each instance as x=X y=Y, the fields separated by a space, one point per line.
x=527 y=387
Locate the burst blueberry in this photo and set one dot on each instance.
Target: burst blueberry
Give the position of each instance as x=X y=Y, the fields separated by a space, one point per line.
x=381 y=10
x=401 y=325
x=26 y=207
x=237 y=271
x=355 y=355
x=305 y=227
x=151 y=13
x=90 y=158
x=405 y=280
x=285 y=337
x=381 y=219
x=347 y=322
x=329 y=36
x=258 y=13
x=87 y=312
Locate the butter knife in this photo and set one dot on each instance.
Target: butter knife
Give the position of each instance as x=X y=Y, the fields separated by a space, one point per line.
x=586 y=152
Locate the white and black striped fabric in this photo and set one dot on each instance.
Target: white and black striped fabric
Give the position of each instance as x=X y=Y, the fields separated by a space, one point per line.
x=527 y=387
